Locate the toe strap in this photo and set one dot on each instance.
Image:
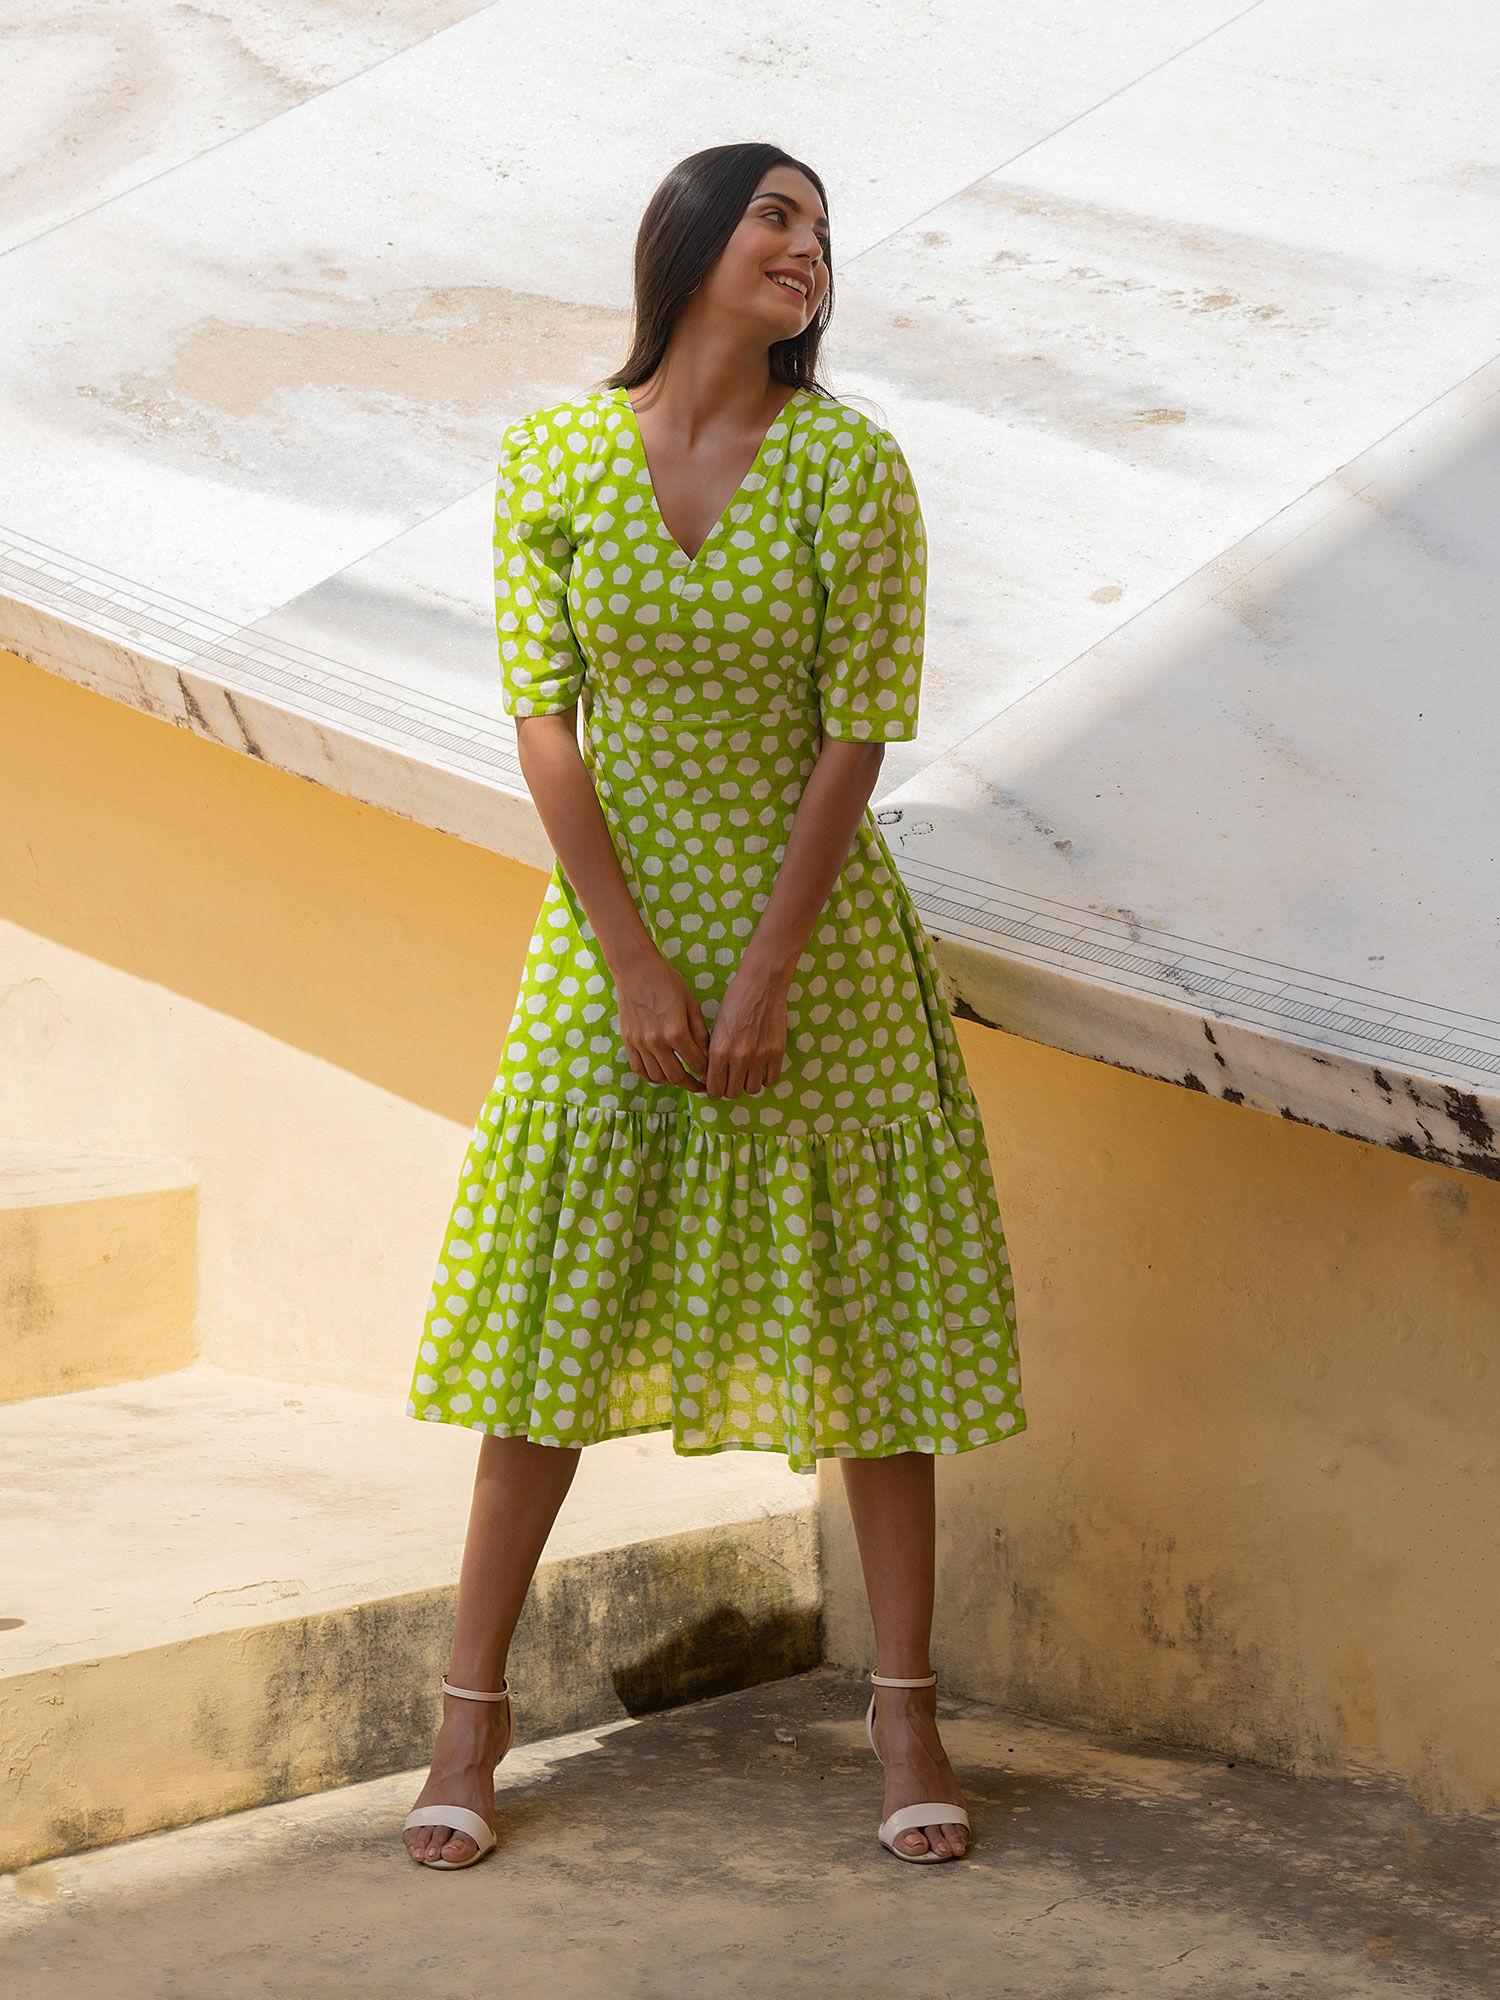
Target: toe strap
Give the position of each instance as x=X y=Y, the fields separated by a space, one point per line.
x=936 y=1812
x=458 y=1817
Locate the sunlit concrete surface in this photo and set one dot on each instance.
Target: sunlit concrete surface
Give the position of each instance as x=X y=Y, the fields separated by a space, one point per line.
x=100 y=102
x=1184 y=314
x=729 y=1849
x=222 y=1590
x=167 y=1463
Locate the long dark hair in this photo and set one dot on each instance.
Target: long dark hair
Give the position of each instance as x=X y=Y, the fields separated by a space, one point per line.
x=687 y=222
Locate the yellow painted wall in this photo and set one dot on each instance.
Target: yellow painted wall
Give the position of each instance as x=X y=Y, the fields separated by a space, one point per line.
x=302 y=996
x=1258 y=1503
x=1257 y=1507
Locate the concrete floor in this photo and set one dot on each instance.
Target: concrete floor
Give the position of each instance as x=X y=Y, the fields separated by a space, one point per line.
x=729 y=1849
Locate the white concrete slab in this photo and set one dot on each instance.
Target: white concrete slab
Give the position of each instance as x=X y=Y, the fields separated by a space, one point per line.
x=99 y=101
x=167 y=1465
x=1297 y=747
x=1183 y=317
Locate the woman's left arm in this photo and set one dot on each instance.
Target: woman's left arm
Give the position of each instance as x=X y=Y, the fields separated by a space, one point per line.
x=747 y=1042
x=871 y=553
x=822 y=832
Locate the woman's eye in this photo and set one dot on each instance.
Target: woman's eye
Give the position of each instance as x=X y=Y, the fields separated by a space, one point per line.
x=780 y=214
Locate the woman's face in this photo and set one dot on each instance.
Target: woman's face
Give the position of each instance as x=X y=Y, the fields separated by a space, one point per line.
x=784 y=232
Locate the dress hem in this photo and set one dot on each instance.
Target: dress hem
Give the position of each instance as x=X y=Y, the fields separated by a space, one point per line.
x=950 y=1450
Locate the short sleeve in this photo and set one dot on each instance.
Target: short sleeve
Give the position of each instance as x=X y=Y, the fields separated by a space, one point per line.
x=541 y=668
x=870 y=547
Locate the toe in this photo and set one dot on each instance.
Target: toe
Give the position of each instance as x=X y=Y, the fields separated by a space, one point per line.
x=936 y=1839
x=426 y=1844
x=957 y=1836
x=913 y=1841
x=459 y=1847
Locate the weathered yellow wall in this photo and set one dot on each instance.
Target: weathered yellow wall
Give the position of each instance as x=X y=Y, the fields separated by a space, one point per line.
x=1257 y=1506
x=302 y=996
x=1258 y=1503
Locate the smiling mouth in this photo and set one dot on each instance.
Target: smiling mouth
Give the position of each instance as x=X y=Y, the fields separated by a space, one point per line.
x=785 y=285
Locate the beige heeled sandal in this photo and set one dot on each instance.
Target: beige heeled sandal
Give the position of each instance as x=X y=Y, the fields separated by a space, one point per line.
x=461 y=1818
x=934 y=1812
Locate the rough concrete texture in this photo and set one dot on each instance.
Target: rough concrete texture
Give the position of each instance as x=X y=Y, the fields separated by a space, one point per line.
x=729 y=1849
x=288 y=1633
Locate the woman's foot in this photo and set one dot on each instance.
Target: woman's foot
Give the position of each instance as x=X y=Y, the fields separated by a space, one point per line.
x=471 y=1740
x=917 y=1767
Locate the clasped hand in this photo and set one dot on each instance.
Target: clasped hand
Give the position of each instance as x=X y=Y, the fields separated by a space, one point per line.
x=668 y=1041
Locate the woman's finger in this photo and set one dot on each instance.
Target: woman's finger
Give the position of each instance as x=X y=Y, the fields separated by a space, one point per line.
x=689 y=1079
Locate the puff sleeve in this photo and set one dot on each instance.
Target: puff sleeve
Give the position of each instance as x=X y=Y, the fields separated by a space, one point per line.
x=870 y=549
x=541 y=668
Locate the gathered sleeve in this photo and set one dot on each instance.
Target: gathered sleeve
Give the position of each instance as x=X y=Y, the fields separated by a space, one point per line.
x=541 y=668
x=870 y=548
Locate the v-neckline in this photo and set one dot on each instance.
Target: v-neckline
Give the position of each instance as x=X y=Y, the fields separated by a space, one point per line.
x=679 y=553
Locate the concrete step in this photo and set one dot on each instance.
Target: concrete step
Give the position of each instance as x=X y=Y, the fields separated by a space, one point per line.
x=99 y=1255
x=727 y=1851
x=224 y=1590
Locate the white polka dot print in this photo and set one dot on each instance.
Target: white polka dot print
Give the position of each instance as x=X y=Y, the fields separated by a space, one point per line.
x=818 y=1269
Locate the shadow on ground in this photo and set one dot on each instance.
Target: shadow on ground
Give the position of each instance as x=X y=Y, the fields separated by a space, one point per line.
x=728 y=1849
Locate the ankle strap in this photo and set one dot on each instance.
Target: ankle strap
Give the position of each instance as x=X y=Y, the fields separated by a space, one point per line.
x=473 y=1694
x=902 y=1680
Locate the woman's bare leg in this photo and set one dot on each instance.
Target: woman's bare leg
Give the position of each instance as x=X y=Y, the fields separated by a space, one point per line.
x=518 y=1488
x=892 y=1506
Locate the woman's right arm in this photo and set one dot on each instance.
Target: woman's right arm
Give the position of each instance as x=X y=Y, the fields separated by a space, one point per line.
x=568 y=807
x=660 y=1018
x=542 y=675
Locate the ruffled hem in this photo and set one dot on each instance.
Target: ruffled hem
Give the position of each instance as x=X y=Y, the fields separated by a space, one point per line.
x=927 y=1446
x=615 y=1270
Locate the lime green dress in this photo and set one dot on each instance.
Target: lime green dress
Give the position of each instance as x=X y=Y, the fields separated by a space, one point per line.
x=817 y=1268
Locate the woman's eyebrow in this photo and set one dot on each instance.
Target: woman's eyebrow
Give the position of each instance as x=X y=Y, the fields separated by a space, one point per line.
x=771 y=194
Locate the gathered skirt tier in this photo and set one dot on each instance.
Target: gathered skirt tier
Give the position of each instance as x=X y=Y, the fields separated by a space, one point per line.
x=609 y=1271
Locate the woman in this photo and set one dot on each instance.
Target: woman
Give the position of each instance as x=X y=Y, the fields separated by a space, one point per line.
x=731 y=1179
